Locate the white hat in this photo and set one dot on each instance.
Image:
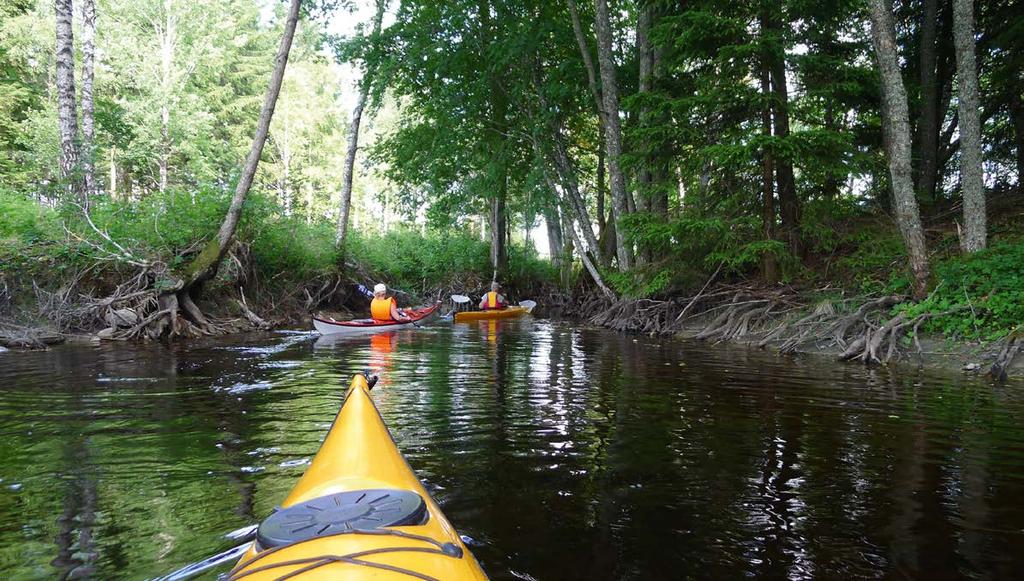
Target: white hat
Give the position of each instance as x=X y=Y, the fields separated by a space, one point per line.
x=380 y=288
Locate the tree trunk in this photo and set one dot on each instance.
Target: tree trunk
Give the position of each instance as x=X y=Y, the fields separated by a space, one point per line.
x=67 y=114
x=499 y=150
x=769 y=265
x=928 y=126
x=555 y=240
x=613 y=131
x=588 y=62
x=595 y=92
x=601 y=189
x=564 y=167
x=971 y=181
x=789 y=204
x=1017 y=114
x=588 y=264
x=499 y=230
x=896 y=128
x=567 y=250
x=205 y=266
x=166 y=38
x=591 y=268
x=652 y=177
x=945 y=70
x=567 y=178
x=558 y=244
x=88 y=150
x=353 y=137
x=645 y=62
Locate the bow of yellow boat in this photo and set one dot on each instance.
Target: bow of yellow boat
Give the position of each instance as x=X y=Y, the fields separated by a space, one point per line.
x=356 y=485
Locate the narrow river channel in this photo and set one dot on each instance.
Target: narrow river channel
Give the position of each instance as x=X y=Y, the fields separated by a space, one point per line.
x=559 y=452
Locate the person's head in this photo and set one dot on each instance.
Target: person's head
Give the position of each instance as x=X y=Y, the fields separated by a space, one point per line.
x=380 y=290
x=495 y=286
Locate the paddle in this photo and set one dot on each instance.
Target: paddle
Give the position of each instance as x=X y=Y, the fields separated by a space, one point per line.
x=246 y=534
x=458 y=300
x=528 y=304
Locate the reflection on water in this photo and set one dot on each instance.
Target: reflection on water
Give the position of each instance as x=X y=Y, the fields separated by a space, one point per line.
x=560 y=453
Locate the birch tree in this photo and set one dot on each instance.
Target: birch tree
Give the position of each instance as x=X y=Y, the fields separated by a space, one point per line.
x=88 y=150
x=167 y=38
x=67 y=112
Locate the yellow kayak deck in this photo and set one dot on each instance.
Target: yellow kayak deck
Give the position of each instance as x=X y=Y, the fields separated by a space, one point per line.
x=505 y=313
x=355 y=486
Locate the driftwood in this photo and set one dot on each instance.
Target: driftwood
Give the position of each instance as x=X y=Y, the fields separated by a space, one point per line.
x=1011 y=346
x=18 y=337
x=252 y=317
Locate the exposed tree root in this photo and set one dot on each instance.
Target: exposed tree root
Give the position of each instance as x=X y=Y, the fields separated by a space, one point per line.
x=1011 y=346
x=864 y=329
x=256 y=321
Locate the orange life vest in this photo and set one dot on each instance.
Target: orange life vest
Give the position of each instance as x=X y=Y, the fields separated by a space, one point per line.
x=380 y=309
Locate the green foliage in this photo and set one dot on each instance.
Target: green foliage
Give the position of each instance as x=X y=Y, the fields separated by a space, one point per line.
x=32 y=241
x=415 y=261
x=160 y=225
x=290 y=247
x=825 y=220
x=977 y=296
x=684 y=247
x=640 y=283
x=872 y=258
x=526 y=270
x=23 y=221
x=412 y=260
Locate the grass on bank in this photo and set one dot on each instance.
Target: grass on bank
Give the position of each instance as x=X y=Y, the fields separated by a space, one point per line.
x=46 y=244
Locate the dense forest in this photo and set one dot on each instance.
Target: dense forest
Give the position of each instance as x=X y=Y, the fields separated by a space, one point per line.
x=854 y=157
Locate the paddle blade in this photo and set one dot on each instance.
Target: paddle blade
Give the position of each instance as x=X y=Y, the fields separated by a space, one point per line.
x=461 y=299
x=528 y=304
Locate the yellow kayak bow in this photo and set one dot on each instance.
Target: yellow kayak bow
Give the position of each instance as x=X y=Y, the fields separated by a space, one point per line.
x=358 y=513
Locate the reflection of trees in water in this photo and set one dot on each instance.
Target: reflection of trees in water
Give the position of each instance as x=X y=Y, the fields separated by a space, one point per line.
x=600 y=502
x=76 y=549
x=779 y=505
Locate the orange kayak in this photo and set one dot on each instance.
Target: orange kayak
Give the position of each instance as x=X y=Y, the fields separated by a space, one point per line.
x=358 y=513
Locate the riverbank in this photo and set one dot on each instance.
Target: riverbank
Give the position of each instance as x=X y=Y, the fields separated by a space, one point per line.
x=936 y=353
x=866 y=329
x=105 y=272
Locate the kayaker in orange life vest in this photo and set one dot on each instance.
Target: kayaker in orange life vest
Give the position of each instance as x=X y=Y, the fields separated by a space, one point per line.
x=384 y=309
x=493 y=300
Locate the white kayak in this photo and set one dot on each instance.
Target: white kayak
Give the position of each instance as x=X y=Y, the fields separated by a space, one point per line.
x=369 y=326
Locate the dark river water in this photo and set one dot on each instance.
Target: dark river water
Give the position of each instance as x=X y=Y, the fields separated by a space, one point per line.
x=559 y=452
